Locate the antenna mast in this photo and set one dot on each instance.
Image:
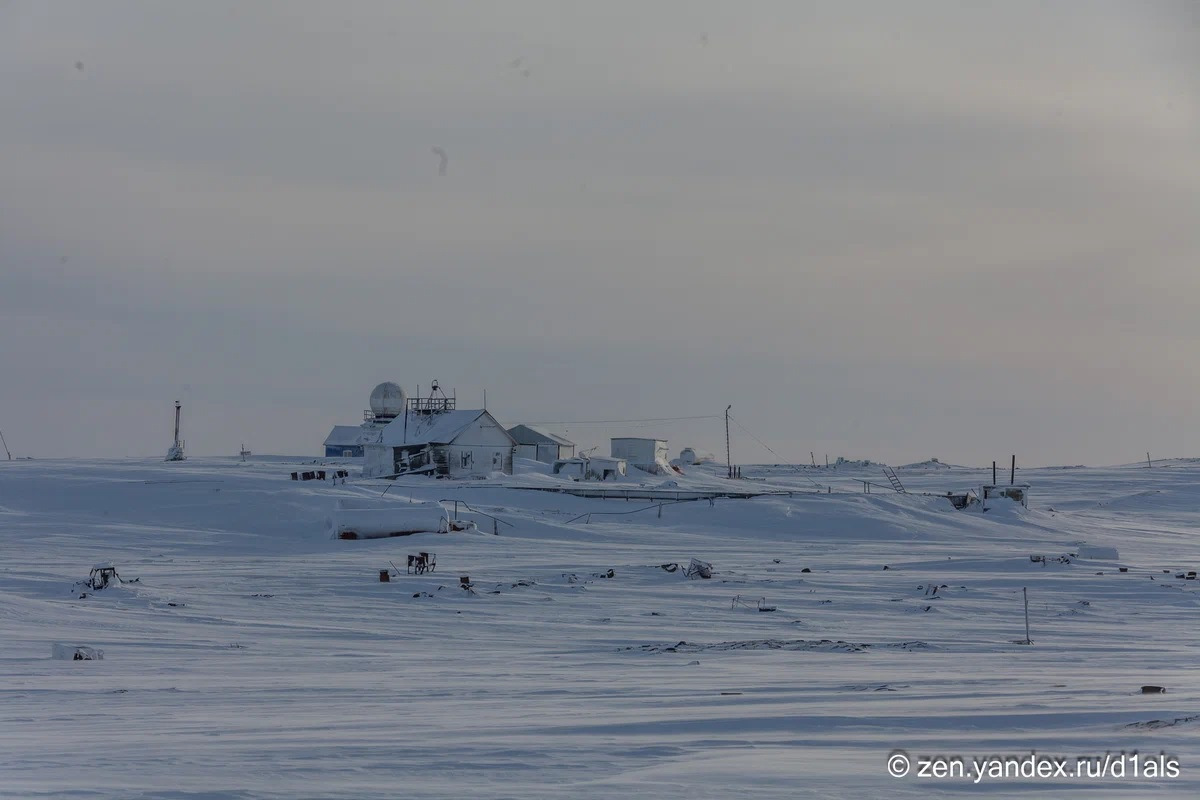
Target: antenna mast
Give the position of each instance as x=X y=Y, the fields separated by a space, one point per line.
x=5 y=446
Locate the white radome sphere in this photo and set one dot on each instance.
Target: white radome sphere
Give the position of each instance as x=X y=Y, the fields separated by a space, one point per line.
x=388 y=400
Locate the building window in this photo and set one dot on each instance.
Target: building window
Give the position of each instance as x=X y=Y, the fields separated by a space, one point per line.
x=467 y=459
x=498 y=461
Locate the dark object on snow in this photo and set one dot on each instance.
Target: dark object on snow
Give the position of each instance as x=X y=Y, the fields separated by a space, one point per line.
x=885 y=566
x=669 y=567
x=384 y=576
x=464 y=581
x=806 y=569
x=1122 y=569
x=1154 y=690
x=295 y=476
x=699 y=569
x=101 y=577
x=777 y=561
x=422 y=563
x=320 y=474
x=76 y=653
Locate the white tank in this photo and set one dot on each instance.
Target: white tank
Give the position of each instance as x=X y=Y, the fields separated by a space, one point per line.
x=388 y=400
x=690 y=455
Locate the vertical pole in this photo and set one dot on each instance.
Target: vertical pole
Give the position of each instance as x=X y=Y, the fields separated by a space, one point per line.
x=10 y=454
x=1012 y=478
x=1148 y=465
x=728 y=457
x=993 y=473
x=177 y=407
x=1025 y=592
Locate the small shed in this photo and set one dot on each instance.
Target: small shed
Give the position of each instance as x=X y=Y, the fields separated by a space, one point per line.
x=347 y=441
x=645 y=454
x=540 y=445
x=457 y=444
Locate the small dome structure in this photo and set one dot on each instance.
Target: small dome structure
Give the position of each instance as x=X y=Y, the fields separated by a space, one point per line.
x=388 y=400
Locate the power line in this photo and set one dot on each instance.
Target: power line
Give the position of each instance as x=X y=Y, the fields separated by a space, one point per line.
x=772 y=452
x=616 y=421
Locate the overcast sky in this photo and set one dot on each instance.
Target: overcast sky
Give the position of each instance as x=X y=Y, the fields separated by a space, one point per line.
x=880 y=230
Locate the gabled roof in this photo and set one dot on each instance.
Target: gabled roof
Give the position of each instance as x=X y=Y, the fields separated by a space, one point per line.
x=351 y=436
x=441 y=428
x=528 y=434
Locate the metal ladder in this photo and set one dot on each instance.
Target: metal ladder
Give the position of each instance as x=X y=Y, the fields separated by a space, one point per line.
x=895 y=481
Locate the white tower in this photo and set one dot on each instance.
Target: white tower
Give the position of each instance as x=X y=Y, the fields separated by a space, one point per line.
x=175 y=452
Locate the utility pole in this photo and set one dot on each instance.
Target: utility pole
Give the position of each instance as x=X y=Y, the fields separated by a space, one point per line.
x=10 y=454
x=728 y=457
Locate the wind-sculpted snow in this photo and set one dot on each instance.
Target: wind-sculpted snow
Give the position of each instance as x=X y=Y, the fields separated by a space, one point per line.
x=254 y=656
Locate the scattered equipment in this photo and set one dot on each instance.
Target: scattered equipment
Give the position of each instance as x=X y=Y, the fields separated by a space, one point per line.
x=421 y=563
x=760 y=604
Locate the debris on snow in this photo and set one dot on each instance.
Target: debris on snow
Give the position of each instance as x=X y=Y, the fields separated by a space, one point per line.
x=64 y=652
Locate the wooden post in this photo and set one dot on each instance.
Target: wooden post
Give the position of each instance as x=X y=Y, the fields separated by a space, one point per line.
x=1012 y=478
x=993 y=473
x=1025 y=592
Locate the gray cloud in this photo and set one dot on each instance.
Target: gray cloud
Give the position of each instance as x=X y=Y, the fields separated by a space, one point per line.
x=856 y=224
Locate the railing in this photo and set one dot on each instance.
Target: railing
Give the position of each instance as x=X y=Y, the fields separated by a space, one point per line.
x=494 y=520
x=587 y=517
x=431 y=404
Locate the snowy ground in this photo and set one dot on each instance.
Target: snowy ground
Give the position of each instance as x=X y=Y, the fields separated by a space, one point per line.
x=258 y=658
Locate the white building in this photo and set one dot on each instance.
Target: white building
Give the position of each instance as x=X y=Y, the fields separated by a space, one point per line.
x=388 y=401
x=347 y=441
x=645 y=454
x=540 y=445
x=448 y=443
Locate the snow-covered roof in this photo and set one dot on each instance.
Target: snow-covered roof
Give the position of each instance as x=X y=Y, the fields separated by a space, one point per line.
x=351 y=436
x=530 y=434
x=440 y=428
